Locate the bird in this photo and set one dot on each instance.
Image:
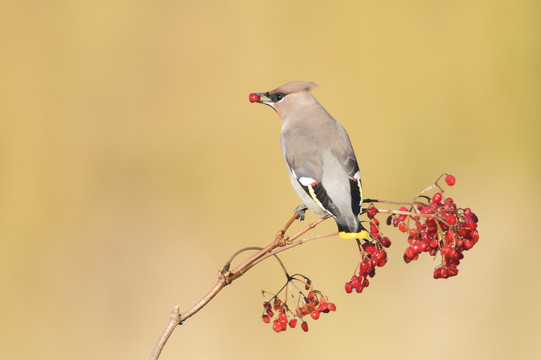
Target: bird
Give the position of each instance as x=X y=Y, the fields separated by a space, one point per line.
x=319 y=156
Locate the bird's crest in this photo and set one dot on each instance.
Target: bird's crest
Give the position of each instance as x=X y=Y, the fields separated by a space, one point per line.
x=293 y=87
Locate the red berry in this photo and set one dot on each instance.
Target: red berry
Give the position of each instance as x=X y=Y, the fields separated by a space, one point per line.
x=450 y=180
x=277 y=326
x=366 y=282
x=440 y=272
x=292 y=323
x=266 y=319
x=314 y=314
x=304 y=326
x=323 y=306
x=409 y=253
x=462 y=232
x=406 y=259
x=402 y=226
x=380 y=255
x=363 y=268
x=436 y=198
x=254 y=97
x=349 y=288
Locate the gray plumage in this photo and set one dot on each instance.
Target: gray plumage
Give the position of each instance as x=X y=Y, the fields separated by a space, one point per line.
x=319 y=156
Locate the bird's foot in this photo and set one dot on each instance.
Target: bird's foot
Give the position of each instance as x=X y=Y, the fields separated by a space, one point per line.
x=301 y=209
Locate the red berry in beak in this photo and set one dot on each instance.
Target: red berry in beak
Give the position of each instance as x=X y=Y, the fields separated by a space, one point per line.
x=254 y=97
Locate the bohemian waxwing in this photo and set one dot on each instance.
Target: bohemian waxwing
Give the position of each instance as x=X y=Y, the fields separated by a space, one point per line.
x=318 y=155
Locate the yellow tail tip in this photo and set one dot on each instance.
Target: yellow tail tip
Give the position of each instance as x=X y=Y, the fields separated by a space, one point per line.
x=363 y=234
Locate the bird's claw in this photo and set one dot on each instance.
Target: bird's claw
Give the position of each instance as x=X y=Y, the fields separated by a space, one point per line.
x=301 y=209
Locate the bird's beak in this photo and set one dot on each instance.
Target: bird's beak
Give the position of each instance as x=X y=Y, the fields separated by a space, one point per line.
x=264 y=99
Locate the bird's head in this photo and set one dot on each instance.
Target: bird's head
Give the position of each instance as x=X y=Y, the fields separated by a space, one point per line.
x=285 y=98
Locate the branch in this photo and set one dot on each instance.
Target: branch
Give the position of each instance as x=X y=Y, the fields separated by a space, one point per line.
x=226 y=276
x=440 y=227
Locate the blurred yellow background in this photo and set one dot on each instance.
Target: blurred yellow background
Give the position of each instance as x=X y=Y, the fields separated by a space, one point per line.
x=132 y=166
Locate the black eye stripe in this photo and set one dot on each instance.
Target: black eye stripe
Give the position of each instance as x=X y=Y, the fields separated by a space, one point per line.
x=277 y=97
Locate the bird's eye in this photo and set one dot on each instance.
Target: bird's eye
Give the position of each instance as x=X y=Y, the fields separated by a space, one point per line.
x=278 y=97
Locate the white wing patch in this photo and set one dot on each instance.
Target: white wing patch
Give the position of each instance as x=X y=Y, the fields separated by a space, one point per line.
x=306 y=181
x=357 y=177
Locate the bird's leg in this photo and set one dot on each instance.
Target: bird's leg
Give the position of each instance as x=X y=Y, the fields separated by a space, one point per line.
x=301 y=209
x=281 y=239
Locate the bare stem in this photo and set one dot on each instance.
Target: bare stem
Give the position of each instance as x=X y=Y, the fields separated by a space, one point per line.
x=296 y=243
x=309 y=227
x=226 y=277
x=280 y=243
x=177 y=319
x=228 y=262
x=174 y=320
x=409 y=213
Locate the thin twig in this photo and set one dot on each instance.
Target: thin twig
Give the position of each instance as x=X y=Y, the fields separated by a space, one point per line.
x=226 y=277
x=177 y=319
x=174 y=320
x=228 y=262
x=280 y=243
x=296 y=243
x=413 y=214
x=309 y=227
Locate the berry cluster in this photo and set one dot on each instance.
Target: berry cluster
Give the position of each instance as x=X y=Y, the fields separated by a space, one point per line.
x=372 y=255
x=314 y=303
x=435 y=225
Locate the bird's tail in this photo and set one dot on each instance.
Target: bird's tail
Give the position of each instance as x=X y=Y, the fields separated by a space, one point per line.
x=352 y=229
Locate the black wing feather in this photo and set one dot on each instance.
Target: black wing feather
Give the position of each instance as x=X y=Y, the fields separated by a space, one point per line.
x=355 y=196
x=321 y=196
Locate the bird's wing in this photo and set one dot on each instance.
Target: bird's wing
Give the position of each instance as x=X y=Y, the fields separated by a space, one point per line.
x=342 y=150
x=305 y=162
